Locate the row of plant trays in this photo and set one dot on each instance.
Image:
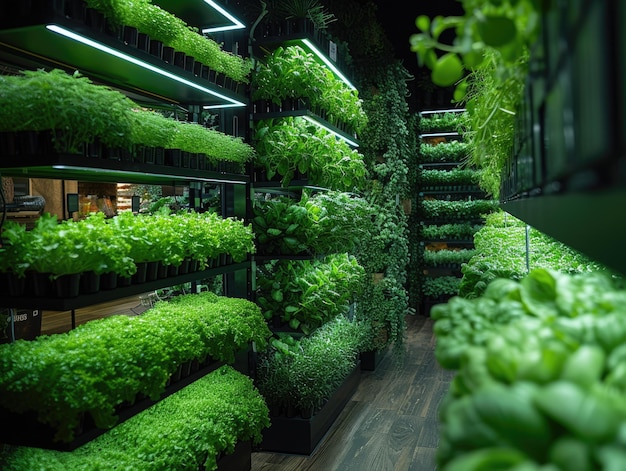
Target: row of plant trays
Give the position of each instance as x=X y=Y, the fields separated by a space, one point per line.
x=40 y=143
x=78 y=11
x=23 y=429
x=42 y=285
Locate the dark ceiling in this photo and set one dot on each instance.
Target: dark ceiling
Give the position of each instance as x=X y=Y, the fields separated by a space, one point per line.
x=397 y=18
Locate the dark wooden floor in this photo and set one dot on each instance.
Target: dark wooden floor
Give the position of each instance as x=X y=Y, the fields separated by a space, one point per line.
x=390 y=424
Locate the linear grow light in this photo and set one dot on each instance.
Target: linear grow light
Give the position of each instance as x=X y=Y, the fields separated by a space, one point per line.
x=101 y=47
x=321 y=125
x=236 y=23
x=328 y=63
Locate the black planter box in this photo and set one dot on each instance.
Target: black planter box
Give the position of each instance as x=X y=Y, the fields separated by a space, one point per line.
x=369 y=360
x=239 y=460
x=301 y=436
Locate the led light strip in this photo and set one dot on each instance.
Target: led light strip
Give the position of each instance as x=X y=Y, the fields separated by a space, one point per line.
x=236 y=23
x=321 y=125
x=328 y=63
x=133 y=60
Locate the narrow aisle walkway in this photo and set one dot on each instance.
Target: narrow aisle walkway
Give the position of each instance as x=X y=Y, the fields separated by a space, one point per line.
x=391 y=422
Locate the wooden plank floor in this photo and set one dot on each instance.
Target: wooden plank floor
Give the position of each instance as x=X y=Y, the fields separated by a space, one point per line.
x=390 y=424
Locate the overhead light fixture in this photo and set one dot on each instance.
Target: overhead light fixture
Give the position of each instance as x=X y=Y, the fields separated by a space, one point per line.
x=328 y=63
x=133 y=60
x=236 y=23
x=323 y=126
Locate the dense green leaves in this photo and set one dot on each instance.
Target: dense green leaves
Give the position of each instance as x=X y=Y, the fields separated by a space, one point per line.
x=185 y=431
x=539 y=371
x=100 y=364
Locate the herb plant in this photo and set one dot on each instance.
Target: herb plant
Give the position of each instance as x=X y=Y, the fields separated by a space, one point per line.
x=191 y=428
x=102 y=363
x=308 y=293
x=303 y=372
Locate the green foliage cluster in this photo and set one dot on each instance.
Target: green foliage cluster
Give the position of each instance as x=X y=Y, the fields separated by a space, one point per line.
x=455 y=177
x=290 y=72
x=308 y=293
x=442 y=122
x=289 y=145
x=448 y=256
x=440 y=286
x=119 y=243
x=382 y=313
x=539 y=381
x=457 y=231
x=488 y=63
x=321 y=223
x=153 y=129
x=301 y=372
x=386 y=142
x=464 y=209
x=173 y=237
x=172 y=31
x=500 y=252
x=102 y=363
x=188 y=430
x=453 y=151
x=71 y=106
x=79 y=112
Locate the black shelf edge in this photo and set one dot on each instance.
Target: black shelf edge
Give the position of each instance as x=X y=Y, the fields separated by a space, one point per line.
x=72 y=45
x=78 y=167
x=436 y=165
x=84 y=300
x=474 y=191
x=590 y=222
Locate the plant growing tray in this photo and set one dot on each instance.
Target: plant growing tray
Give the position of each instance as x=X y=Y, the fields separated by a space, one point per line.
x=301 y=436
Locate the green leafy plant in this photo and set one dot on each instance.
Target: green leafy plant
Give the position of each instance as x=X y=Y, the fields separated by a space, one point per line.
x=530 y=356
x=453 y=151
x=442 y=122
x=462 y=231
x=289 y=145
x=441 y=286
x=320 y=223
x=70 y=106
x=447 y=256
x=308 y=293
x=195 y=425
x=303 y=372
x=60 y=379
x=292 y=73
x=454 y=178
x=172 y=31
x=500 y=252
x=470 y=209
